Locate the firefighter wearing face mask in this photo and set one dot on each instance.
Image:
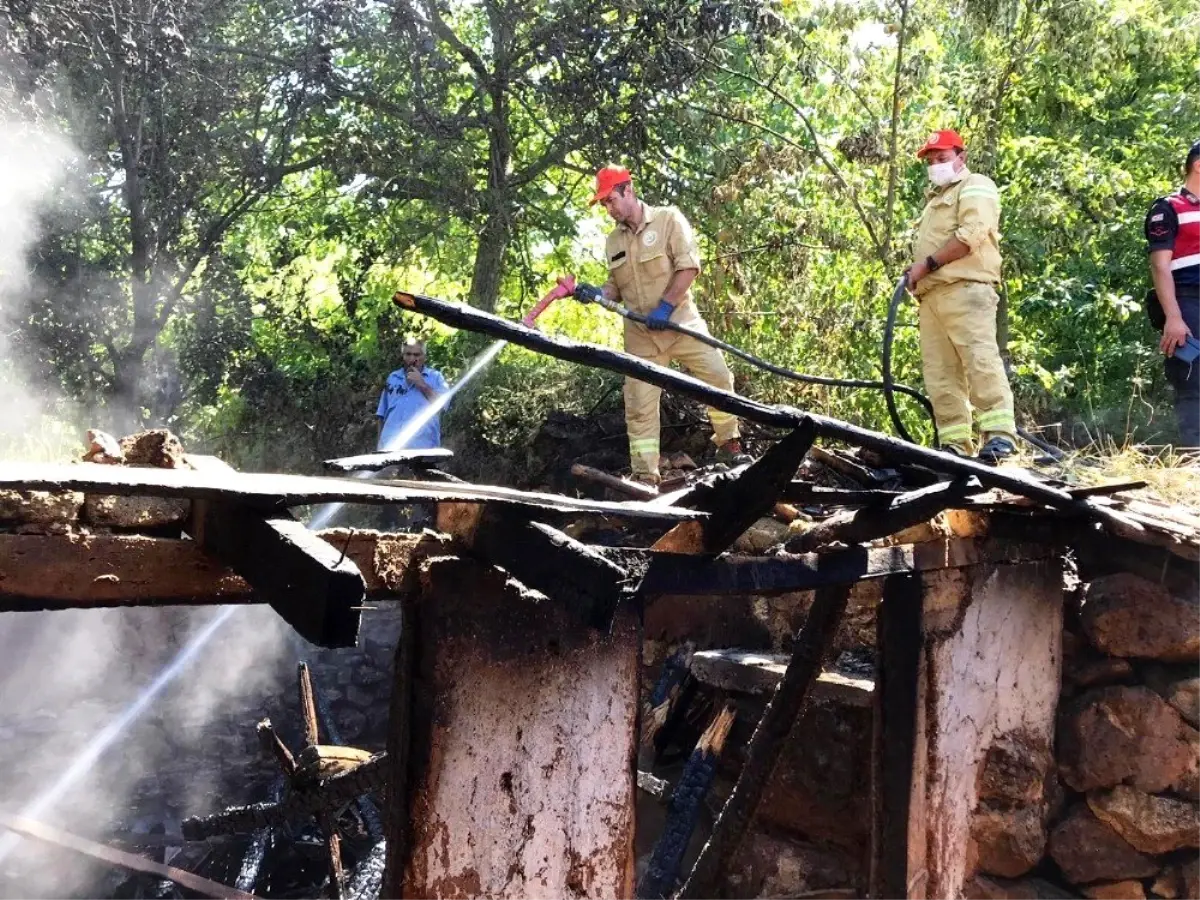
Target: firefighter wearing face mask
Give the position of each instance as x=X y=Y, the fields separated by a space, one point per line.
x=955 y=271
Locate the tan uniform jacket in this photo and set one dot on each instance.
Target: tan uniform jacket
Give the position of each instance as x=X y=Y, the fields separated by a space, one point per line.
x=640 y=266
x=967 y=209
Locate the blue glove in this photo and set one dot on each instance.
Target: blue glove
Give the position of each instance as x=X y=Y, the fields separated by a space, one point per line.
x=587 y=293
x=660 y=316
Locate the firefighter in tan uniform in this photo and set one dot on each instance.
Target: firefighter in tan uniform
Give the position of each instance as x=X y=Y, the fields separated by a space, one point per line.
x=954 y=275
x=653 y=259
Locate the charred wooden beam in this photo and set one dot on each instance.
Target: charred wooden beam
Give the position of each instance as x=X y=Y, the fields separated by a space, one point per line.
x=808 y=655
x=901 y=512
x=315 y=589
x=894 y=733
x=460 y=316
x=680 y=574
x=867 y=476
x=737 y=500
x=48 y=834
x=374 y=462
x=808 y=494
x=541 y=558
x=40 y=571
x=683 y=810
x=271 y=492
x=366 y=807
x=272 y=744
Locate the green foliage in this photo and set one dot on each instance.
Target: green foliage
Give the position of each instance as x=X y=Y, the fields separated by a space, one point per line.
x=447 y=148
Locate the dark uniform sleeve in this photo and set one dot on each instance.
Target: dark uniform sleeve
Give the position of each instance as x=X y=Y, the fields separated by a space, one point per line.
x=1162 y=224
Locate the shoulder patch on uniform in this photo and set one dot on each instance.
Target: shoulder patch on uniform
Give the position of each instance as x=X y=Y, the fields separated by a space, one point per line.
x=650 y=238
x=1157 y=217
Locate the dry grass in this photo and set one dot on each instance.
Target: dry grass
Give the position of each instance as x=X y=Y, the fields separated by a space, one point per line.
x=1170 y=476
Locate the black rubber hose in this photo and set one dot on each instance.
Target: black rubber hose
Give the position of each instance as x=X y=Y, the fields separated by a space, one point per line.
x=889 y=388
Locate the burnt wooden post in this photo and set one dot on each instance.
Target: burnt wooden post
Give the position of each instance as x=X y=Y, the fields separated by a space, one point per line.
x=514 y=757
x=895 y=711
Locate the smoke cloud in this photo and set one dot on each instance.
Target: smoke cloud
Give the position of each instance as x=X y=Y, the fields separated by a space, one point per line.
x=66 y=677
x=34 y=163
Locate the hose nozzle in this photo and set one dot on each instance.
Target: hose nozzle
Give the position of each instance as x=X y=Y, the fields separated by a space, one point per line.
x=564 y=288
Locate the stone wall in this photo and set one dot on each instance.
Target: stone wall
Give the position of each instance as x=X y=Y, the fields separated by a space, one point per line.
x=1117 y=813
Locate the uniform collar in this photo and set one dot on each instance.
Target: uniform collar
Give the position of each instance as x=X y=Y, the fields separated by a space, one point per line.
x=1189 y=196
x=648 y=215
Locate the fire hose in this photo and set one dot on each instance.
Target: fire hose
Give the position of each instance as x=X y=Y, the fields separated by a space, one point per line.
x=566 y=287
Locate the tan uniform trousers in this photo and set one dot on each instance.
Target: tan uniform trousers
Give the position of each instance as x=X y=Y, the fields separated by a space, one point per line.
x=641 y=399
x=962 y=364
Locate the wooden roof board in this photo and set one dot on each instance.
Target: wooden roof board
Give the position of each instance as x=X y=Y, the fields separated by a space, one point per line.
x=271 y=491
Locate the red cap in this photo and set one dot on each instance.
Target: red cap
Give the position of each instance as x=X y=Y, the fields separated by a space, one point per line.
x=942 y=140
x=607 y=179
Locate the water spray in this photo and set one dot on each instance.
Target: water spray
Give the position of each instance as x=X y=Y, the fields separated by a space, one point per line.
x=106 y=738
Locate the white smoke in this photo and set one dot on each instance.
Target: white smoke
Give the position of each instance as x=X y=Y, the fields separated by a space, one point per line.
x=67 y=678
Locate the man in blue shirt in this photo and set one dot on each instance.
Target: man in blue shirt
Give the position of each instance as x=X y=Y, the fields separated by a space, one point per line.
x=405 y=422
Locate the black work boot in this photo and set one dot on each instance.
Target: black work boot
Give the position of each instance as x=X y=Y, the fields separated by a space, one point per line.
x=996 y=449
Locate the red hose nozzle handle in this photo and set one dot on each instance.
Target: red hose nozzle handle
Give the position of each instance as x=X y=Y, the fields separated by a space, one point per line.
x=564 y=288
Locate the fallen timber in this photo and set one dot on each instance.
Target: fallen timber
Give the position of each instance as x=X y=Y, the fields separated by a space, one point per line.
x=475 y=320
x=269 y=492
x=48 y=834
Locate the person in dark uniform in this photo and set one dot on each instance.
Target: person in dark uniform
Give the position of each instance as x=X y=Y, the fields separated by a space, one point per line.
x=1173 y=238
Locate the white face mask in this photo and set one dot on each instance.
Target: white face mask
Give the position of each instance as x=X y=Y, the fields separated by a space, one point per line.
x=941 y=173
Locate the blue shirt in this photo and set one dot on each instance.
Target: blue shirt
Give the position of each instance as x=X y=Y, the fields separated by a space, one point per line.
x=401 y=403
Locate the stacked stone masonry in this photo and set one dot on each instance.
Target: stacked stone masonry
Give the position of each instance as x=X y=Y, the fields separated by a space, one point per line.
x=1116 y=813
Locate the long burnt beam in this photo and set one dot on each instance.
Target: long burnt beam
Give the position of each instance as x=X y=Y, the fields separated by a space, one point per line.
x=460 y=316
x=683 y=574
x=46 y=572
x=270 y=492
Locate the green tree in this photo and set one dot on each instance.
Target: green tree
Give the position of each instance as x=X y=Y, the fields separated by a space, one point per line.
x=186 y=115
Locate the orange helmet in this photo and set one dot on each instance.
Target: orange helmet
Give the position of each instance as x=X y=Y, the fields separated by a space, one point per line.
x=946 y=139
x=607 y=179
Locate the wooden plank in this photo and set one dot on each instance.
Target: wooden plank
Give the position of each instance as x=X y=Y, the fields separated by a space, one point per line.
x=759 y=673
x=629 y=488
x=383 y=459
x=735 y=501
x=45 y=572
x=809 y=651
x=272 y=492
x=806 y=493
x=461 y=316
x=522 y=739
x=48 y=834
